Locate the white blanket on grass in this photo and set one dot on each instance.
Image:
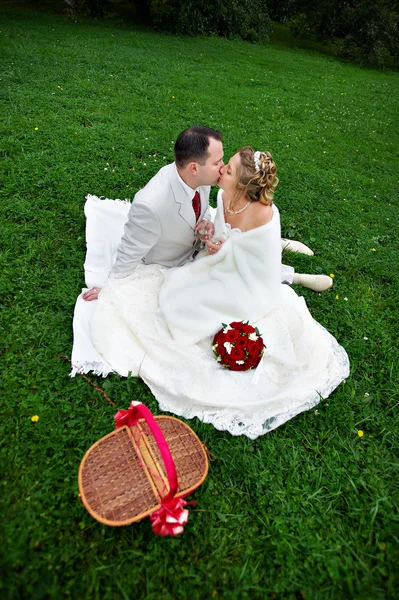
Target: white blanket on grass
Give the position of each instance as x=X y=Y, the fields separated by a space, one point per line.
x=105 y=221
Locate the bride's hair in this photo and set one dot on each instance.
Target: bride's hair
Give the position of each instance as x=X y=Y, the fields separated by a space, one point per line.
x=257 y=184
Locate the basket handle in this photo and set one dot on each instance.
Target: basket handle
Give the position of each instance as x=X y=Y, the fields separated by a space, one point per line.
x=130 y=417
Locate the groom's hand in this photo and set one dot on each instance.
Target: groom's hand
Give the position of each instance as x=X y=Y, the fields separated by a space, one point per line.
x=91 y=294
x=205 y=229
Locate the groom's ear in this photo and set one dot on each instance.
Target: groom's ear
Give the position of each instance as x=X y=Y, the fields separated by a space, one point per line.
x=193 y=168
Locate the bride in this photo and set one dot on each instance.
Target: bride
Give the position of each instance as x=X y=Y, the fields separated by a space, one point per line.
x=159 y=323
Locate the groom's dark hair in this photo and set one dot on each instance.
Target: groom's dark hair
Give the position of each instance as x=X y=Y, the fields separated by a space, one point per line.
x=192 y=144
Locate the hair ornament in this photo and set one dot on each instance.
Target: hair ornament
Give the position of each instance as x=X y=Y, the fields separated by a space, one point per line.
x=256 y=160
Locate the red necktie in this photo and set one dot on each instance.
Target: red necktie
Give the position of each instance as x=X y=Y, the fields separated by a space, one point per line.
x=197 y=206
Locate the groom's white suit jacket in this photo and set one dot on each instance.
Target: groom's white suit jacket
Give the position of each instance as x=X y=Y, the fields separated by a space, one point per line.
x=160 y=225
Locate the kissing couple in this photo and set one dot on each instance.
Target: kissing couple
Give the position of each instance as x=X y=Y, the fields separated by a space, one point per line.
x=180 y=272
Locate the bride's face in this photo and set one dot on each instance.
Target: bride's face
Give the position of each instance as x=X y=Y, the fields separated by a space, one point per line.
x=228 y=179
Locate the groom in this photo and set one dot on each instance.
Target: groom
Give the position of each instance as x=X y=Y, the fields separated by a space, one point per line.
x=170 y=216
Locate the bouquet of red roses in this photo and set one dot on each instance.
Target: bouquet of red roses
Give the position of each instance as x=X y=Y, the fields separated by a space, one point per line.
x=238 y=346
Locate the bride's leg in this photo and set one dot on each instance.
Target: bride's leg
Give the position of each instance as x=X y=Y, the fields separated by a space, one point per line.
x=294 y=246
x=317 y=283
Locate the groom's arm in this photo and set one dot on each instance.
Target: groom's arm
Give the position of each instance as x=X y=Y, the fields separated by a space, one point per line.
x=206 y=227
x=142 y=232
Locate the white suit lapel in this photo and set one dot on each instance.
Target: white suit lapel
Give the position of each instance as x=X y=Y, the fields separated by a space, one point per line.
x=204 y=203
x=185 y=207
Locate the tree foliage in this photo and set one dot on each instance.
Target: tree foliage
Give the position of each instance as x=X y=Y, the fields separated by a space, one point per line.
x=245 y=19
x=90 y=7
x=363 y=29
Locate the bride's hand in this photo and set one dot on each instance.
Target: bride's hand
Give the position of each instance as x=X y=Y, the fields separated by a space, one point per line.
x=214 y=245
x=91 y=294
x=205 y=229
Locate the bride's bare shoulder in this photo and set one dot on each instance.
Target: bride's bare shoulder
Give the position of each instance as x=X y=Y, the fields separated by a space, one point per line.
x=261 y=214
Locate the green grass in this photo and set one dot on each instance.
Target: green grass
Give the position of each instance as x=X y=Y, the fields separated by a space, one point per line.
x=307 y=511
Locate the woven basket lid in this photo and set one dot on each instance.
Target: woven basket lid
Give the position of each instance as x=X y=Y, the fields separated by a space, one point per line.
x=122 y=477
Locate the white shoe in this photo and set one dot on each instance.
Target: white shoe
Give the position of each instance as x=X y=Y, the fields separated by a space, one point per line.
x=317 y=283
x=294 y=246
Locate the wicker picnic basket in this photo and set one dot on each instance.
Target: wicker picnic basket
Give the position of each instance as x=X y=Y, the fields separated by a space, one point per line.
x=146 y=467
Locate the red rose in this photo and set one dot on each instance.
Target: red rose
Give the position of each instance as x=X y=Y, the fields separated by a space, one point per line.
x=253 y=348
x=232 y=335
x=241 y=342
x=237 y=325
x=248 y=329
x=237 y=354
x=253 y=362
x=221 y=350
x=219 y=338
x=250 y=363
x=227 y=362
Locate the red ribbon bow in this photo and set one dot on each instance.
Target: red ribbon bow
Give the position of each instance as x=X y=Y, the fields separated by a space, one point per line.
x=125 y=417
x=170 y=517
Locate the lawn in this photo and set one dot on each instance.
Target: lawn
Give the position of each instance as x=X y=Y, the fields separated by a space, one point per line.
x=311 y=509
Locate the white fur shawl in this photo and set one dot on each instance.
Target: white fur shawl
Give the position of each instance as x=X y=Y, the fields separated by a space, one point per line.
x=241 y=282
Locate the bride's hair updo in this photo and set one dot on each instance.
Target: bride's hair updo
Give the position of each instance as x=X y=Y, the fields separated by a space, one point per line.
x=256 y=183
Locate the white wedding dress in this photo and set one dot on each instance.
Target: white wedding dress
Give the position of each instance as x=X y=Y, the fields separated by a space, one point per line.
x=135 y=318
